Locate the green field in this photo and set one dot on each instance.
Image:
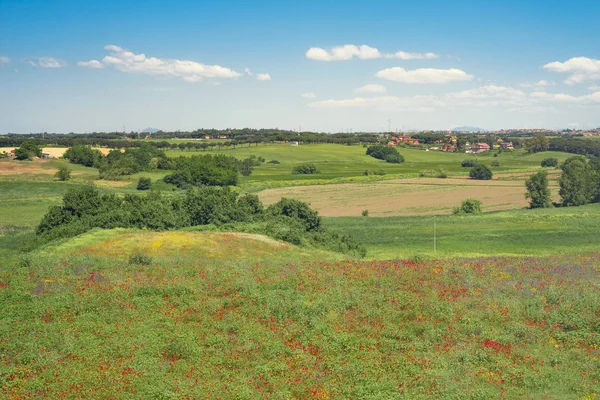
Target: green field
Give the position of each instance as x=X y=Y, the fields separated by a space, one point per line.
x=514 y=232
x=340 y=161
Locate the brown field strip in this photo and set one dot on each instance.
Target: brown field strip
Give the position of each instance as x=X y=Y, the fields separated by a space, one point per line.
x=417 y=196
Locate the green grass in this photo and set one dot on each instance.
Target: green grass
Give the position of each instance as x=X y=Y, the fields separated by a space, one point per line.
x=514 y=232
x=340 y=161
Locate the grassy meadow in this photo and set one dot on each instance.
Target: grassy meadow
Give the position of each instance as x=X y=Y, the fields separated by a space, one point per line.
x=76 y=324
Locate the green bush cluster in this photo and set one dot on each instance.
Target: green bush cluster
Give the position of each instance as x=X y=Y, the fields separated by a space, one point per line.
x=386 y=153
x=468 y=206
x=469 y=163
x=85 y=208
x=305 y=169
x=379 y=172
x=144 y=183
x=550 y=162
x=28 y=150
x=580 y=181
x=209 y=169
x=481 y=172
x=63 y=173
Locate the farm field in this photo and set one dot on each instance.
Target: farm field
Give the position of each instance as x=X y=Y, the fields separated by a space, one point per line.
x=340 y=161
x=78 y=324
x=551 y=231
x=412 y=196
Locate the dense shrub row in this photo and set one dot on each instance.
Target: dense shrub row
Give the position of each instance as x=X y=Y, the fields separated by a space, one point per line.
x=386 y=153
x=586 y=147
x=209 y=169
x=290 y=220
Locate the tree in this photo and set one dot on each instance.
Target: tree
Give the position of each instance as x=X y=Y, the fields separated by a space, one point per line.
x=537 y=144
x=537 y=190
x=305 y=169
x=63 y=173
x=144 y=183
x=481 y=172
x=576 y=182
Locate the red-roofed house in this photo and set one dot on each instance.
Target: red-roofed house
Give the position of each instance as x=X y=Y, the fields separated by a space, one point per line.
x=480 y=148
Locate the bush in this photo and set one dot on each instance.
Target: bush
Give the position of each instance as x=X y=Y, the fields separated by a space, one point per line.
x=144 y=183
x=28 y=150
x=273 y=162
x=481 y=172
x=305 y=169
x=379 y=172
x=469 y=163
x=550 y=162
x=468 y=206
x=139 y=259
x=386 y=153
x=210 y=170
x=63 y=173
x=495 y=163
x=427 y=173
x=365 y=213
x=443 y=173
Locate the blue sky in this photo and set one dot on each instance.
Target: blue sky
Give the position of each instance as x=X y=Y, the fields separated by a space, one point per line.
x=323 y=65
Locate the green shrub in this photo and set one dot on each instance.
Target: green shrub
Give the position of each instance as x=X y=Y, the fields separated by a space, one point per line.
x=468 y=206
x=380 y=172
x=495 y=163
x=481 y=172
x=550 y=162
x=144 y=183
x=63 y=173
x=140 y=259
x=306 y=169
x=443 y=173
x=469 y=163
x=427 y=173
x=273 y=162
x=386 y=153
x=365 y=213
x=537 y=190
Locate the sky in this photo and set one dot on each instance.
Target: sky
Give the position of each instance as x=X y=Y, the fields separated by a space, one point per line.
x=329 y=66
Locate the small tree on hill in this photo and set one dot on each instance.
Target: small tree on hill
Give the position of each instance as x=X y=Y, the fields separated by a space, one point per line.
x=537 y=190
x=481 y=172
x=63 y=173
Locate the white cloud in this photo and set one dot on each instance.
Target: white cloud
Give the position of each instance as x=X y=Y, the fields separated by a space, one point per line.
x=537 y=85
x=91 y=64
x=48 y=62
x=372 y=88
x=423 y=75
x=510 y=99
x=4 y=60
x=247 y=71
x=594 y=88
x=580 y=69
x=308 y=95
x=189 y=71
x=263 y=77
x=362 y=52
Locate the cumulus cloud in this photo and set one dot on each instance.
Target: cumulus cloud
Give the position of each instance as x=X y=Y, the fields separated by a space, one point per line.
x=263 y=77
x=537 y=85
x=362 y=52
x=247 y=71
x=594 y=88
x=91 y=64
x=372 y=88
x=4 y=60
x=579 y=69
x=423 y=75
x=190 y=71
x=48 y=62
x=308 y=95
x=414 y=103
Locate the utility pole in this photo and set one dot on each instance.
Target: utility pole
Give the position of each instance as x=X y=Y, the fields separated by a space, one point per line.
x=434 y=234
